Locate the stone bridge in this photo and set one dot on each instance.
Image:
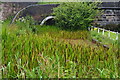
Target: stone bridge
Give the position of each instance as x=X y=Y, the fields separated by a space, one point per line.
x=39 y=12
x=22 y=9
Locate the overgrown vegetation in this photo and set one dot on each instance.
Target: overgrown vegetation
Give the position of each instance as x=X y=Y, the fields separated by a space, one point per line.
x=75 y=15
x=47 y=54
x=34 y=51
x=104 y=38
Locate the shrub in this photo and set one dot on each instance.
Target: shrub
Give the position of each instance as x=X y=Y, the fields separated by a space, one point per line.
x=75 y=15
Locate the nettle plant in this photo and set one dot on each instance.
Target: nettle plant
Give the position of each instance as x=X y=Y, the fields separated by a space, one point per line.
x=26 y=23
x=76 y=15
x=28 y=20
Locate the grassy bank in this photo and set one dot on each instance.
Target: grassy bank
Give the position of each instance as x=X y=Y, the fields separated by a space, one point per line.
x=104 y=38
x=50 y=52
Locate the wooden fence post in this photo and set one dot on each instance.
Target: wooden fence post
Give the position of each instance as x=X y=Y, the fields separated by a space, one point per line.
x=98 y=30
x=116 y=35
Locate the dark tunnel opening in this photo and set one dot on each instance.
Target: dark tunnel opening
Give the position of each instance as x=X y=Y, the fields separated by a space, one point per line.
x=50 y=22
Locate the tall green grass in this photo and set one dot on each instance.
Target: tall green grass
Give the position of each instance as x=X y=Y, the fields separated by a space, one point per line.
x=31 y=51
x=56 y=32
x=43 y=55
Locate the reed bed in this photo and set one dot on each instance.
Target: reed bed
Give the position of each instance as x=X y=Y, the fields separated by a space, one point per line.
x=43 y=55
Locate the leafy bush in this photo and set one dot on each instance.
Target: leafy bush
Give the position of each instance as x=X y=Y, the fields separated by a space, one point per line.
x=27 y=21
x=75 y=15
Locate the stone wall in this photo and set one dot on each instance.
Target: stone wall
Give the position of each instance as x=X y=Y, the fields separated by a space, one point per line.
x=11 y=8
x=37 y=12
x=110 y=16
x=111 y=11
x=1 y=11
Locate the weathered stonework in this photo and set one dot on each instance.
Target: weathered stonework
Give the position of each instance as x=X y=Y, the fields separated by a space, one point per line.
x=1 y=11
x=111 y=11
x=11 y=8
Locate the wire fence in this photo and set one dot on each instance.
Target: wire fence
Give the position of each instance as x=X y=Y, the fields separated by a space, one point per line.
x=104 y=31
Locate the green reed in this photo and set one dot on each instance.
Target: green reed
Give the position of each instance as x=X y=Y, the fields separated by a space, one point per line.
x=45 y=55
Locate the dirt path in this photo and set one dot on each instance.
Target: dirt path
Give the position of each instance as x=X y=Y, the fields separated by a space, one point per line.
x=79 y=42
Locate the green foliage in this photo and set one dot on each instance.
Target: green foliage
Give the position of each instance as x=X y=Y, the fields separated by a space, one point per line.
x=56 y=32
x=104 y=38
x=26 y=23
x=31 y=55
x=49 y=53
x=75 y=15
